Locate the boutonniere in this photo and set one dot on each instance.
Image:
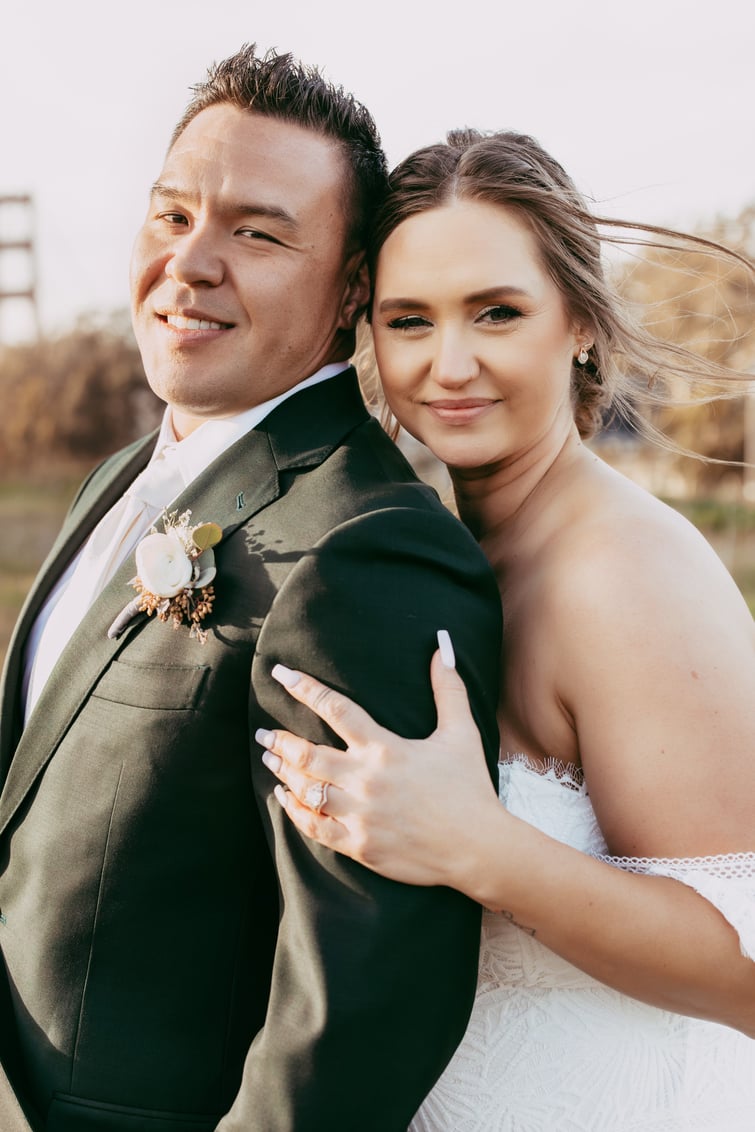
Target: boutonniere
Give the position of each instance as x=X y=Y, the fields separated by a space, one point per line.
x=175 y=571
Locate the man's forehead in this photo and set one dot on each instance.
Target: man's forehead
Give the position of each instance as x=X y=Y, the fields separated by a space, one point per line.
x=227 y=127
x=254 y=161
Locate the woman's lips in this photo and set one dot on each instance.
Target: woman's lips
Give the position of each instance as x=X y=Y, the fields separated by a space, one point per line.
x=460 y=412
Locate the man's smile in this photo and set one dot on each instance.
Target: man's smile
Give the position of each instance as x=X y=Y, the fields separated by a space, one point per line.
x=181 y=322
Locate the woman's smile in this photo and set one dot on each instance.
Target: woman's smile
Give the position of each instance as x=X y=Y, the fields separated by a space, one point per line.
x=467 y=321
x=462 y=410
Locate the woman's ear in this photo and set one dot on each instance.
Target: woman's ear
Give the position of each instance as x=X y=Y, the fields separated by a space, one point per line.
x=583 y=340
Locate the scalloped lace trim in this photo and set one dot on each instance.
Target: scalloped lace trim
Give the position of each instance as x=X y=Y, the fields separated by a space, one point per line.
x=727 y=865
x=555 y=770
x=727 y=881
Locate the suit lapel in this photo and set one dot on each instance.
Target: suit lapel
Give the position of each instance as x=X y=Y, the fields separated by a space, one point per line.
x=300 y=433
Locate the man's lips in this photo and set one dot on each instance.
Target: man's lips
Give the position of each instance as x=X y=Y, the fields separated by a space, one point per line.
x=461 y=411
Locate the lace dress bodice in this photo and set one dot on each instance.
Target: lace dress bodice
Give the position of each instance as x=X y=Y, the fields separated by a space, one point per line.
x=550 y=1049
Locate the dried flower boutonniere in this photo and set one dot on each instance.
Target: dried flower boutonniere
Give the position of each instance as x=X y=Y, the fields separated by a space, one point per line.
x=175 y=571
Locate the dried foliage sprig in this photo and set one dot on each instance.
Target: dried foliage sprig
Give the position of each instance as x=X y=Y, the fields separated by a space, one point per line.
x=175 y=572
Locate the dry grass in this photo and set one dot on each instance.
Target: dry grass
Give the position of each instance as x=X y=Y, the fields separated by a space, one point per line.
x=30 y=517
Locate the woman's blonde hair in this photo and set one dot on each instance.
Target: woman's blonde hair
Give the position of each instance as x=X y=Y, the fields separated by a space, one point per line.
x=628 y=368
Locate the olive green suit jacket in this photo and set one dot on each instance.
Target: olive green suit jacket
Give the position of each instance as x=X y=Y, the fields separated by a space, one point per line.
x=177 y=956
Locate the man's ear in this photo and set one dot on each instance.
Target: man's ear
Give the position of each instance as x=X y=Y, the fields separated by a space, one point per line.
x=356 y=295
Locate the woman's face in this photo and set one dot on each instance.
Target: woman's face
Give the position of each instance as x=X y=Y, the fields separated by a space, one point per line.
x=473 y=341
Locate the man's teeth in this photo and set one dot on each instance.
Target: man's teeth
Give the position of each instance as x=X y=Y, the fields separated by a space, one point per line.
x=181 y=323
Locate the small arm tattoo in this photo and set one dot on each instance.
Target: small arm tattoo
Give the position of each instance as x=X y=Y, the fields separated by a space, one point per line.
x=510 y=917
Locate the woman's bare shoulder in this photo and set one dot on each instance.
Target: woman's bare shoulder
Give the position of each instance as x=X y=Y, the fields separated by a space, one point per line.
x=657 y=668
x=621 y=549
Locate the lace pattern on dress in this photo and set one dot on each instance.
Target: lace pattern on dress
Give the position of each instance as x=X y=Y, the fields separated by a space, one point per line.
x=727 y=881
x=548 y=1047
x=555 y=770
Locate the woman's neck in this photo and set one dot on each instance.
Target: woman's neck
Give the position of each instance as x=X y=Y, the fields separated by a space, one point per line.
x=500 y=504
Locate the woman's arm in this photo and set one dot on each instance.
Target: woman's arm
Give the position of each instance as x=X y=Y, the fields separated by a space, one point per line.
x=415 y=811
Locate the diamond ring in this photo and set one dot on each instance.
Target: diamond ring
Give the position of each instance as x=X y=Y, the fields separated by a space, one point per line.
x=316 y=796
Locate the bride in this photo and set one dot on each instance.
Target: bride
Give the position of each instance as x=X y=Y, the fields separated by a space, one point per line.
x=616 y=987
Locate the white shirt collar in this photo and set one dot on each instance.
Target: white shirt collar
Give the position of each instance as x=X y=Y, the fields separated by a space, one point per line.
x=198 y=450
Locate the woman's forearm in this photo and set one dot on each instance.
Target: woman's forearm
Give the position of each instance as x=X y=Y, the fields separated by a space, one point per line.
x=650 y=937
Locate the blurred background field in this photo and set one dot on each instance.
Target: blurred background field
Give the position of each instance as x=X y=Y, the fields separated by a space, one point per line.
x=71 y=399
x=31 y=512
x=654 y=123
x=30 y=515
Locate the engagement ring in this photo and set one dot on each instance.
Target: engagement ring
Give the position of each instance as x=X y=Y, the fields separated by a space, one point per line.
x=316 y=796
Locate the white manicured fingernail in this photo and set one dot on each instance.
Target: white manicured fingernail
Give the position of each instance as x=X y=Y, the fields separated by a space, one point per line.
x=281 y=795
x=447 y=655
x=264 y=738
x=271 y=761
x=285 y=676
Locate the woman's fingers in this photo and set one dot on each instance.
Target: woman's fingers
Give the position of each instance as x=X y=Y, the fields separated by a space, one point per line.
x=317 y=794
x=388 y=802
x=297 y=761
x=340 y=713
x=319 y=826
x=449 y=690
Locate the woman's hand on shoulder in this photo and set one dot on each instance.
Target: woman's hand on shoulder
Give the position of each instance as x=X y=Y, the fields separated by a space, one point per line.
x=410 y=809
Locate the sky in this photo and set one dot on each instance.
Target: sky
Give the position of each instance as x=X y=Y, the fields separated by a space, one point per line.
x=650 y=106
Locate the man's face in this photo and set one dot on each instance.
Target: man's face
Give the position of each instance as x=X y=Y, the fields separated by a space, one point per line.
x=240 y=275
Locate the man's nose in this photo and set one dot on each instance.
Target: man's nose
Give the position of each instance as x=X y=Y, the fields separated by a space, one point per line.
x=195 y=259
x=454 y=362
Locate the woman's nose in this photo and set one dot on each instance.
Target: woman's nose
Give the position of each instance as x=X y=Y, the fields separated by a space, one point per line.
x=454 y=362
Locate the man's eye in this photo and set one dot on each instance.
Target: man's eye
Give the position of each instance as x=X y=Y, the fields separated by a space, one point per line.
x=256 y=234
x=173 y=217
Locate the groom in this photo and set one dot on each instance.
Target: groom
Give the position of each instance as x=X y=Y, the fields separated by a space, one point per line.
x=175 y=955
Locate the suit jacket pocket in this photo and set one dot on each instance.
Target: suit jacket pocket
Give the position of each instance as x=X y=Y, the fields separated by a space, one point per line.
x=76 y=1114
x=166 y=687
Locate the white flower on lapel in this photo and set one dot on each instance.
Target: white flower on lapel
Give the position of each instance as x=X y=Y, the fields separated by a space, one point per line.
x=175 y=574
x=163 y=566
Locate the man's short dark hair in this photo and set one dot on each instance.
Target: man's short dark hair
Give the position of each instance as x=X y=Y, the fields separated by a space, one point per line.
x=280 y=86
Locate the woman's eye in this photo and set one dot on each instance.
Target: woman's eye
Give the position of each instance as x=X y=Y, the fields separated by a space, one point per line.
x=499 y=314
x=408 y=322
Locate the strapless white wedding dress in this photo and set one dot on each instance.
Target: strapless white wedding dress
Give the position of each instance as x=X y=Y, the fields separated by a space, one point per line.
x=549 y=1049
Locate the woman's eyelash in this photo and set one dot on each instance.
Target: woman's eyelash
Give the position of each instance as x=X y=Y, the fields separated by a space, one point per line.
x=496 y=313
x=407 y=322
x=500 y=313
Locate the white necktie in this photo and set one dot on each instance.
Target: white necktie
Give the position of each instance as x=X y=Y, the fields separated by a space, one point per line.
x=118 y=532
x=109 y=544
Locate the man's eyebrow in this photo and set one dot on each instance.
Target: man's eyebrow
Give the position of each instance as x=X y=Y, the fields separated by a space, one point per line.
x=230 y=208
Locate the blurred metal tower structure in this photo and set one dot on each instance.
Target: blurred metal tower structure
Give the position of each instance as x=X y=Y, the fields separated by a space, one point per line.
x=20 y=244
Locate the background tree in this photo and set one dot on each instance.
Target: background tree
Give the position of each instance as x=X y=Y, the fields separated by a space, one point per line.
x=706 y=303
x=74 y=398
